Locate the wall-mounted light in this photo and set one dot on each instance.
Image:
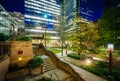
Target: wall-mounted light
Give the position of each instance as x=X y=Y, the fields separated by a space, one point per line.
x=20 y=58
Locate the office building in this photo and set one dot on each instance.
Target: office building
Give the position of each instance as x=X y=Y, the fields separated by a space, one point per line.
x=8 y=25
x=18 y=17
x=71 y=10
x=43 y=16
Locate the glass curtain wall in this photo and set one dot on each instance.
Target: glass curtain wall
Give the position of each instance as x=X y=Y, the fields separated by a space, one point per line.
x=7 y=24
x=41 y=14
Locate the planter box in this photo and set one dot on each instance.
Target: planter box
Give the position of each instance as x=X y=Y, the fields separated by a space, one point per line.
x=37 y=70
x=21 y=53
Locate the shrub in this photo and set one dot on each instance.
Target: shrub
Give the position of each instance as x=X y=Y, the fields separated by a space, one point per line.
x=3 y=37
x=45 y=79
x=23 y=38
x=100 y=64
x=35 y=62
x=116 y=74
x=76 y=56
x=48 y=79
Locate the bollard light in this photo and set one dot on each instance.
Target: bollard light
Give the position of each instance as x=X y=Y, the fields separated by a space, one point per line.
x=110 y=47
x=110 y=50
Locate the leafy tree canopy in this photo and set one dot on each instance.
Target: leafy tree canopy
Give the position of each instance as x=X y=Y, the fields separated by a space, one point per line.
x=109 y=27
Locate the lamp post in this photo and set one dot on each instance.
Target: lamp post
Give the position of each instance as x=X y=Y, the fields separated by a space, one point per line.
x=45 y=16
x=110 y=50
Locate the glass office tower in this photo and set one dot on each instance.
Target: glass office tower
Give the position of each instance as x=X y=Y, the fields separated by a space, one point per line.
x=8 y=25
x=71 y=9
x=41 y=14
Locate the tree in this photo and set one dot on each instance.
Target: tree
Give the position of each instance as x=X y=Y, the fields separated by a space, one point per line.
x=109 y=26
x=83 y=36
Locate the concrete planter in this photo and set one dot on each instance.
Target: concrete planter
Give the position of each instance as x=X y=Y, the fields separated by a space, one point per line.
x=3 y=68
x=21 y=53
x=36 y=70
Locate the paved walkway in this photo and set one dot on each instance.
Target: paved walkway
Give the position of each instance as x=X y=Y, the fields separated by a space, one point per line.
x=87 y=76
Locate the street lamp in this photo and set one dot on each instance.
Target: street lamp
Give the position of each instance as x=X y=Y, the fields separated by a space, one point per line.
x=45 y=16
x=110 y=49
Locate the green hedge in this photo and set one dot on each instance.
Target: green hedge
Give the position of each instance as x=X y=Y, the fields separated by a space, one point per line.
x=35 y=62
x=76 y=56
x=23 y=38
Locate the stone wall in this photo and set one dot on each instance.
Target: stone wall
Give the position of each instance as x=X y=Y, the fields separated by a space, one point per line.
x=64 y=66
x=21 y=53
x=60 y=64
x=4 y=64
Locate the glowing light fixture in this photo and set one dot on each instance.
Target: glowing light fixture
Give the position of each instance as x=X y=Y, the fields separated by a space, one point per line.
x=20 y=58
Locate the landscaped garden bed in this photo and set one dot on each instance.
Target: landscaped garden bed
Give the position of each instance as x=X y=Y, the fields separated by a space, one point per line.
x=96 y=67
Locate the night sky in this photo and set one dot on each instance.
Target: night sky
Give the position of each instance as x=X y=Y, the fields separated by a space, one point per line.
x=13 y=5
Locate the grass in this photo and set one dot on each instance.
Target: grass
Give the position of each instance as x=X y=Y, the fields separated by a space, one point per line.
x=55 y=50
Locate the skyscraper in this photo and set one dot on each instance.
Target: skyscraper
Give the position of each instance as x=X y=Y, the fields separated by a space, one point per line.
x=71 y=9
x=41 y=16
x=8 y=25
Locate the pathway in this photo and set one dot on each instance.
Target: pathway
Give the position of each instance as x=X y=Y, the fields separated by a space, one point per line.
x=87 y=76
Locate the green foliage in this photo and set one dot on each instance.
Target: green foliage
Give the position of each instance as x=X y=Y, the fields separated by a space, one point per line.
x=100 y=69
x=94 y=51
x=23 y=38
x=116 y=52
x=108 y=27
x=48 y=79
x=45 y=79
x=35 y=62
x=116 y=74
x=3 y=37
x=100 y=64
x=76 y=56
x=84 y=36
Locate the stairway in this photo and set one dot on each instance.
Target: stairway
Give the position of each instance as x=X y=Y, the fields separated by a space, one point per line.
x=70 y=79
x=50 y=70
x=48 y=64
x=58 y=75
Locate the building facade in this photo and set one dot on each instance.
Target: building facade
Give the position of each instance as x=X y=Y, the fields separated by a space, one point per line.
x=71 y=11
x=42 y=16
x=18 y=17
x=8 y=25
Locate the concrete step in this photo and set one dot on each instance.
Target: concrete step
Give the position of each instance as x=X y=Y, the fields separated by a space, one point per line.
x=58 y=75
x=48 y=65
x=47 y=69
x=70 y=79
